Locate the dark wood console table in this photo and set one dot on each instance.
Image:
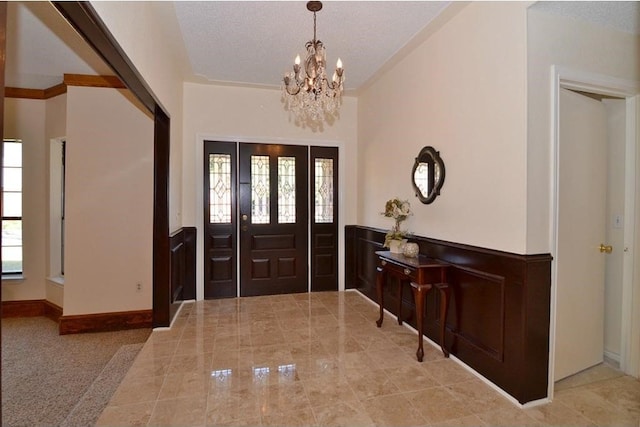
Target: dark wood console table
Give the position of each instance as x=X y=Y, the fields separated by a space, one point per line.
x=423 y=273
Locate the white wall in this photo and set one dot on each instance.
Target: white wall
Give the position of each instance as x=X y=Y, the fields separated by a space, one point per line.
x=580 y=46
x=109 y=206
x=25 y=119
x=147 y=30
x=257 y=115
x=462 y=91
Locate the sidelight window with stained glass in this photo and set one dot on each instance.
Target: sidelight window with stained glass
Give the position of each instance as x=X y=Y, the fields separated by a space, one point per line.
x=220 y=188
x=324 y=190
x=286 y=190
x=260 y=196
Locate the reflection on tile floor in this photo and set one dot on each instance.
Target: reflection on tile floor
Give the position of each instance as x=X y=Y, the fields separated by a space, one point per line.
x=319 y=360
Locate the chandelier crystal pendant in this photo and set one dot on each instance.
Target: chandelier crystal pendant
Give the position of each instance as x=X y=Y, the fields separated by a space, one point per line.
x=309 y=94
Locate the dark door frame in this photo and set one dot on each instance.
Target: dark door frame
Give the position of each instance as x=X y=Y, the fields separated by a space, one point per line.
x=85 y=20
x=3 y=48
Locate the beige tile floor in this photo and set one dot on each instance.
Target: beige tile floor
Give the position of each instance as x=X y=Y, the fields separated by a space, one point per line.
x=319 y=360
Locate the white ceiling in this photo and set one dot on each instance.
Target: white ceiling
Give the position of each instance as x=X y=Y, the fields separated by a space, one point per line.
x=42 y=46
x=255 y=42
x=618 y=15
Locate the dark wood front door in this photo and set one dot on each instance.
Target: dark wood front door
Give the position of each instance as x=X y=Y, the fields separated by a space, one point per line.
x=257 y=217
x=273 y=217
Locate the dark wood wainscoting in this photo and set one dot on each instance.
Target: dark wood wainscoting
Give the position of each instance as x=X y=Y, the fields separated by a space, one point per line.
x=498 y=319
x=183 y=266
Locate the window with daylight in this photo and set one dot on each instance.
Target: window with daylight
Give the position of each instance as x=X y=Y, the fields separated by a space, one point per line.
x=12 y=207
x=324 y=191
x=220 y=188
x=286 y=190
x=260 y=210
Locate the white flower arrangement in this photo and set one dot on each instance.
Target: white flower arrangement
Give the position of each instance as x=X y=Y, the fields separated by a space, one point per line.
x=399 y=210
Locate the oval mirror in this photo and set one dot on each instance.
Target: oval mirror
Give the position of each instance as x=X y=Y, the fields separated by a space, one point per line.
x=427 y=175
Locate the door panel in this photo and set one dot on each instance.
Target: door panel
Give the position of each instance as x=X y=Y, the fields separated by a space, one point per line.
x=582 y=180
x=220 y=219
x=324 y=219
x=273 y=219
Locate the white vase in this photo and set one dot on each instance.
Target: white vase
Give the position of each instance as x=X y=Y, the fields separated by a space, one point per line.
x=411 y=250
x=396 y=246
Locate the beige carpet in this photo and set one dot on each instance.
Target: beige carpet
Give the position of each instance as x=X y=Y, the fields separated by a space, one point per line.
x=53 y=380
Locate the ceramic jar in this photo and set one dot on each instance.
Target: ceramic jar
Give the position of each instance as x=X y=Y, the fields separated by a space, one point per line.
x=411 y=250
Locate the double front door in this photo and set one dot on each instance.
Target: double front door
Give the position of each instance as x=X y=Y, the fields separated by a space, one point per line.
x=266 y=206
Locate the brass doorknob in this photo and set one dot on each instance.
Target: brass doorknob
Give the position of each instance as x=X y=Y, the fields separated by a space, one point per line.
x=606 y=248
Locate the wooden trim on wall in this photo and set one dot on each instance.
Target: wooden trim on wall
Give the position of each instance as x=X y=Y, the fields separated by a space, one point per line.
x=104 y=322
x=499 y=312
x=16 y=92
x=55 y=91
x=163 y=309
x=183 y=266
x=93 y=81
x=83 y=80
x=31 y=308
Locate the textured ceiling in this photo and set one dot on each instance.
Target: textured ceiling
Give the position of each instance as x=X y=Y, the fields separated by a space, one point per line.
x=246 y=42
x=256 y=42
x=41 y=47
x=617 y=15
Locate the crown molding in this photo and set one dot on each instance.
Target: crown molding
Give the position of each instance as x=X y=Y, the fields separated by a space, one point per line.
x=93 y=81
x=82 y=80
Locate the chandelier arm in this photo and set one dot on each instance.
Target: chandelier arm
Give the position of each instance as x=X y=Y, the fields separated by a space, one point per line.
x=297 y=91
x=333 y=84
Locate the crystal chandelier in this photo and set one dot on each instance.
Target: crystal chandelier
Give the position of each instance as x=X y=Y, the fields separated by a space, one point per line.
x=310 y=95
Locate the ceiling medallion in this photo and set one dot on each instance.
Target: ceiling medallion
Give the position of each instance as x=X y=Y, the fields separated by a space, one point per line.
x=310 y=96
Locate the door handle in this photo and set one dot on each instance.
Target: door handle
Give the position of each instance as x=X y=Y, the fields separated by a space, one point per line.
x=606 y=248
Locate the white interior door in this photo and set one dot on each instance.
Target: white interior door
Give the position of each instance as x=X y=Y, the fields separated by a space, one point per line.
x=582 y=183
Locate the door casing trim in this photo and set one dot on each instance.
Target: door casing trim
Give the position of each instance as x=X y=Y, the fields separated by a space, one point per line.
x=199 y=170
x=569 y=78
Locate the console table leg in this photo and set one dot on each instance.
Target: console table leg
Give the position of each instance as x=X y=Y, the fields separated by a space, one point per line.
x=379 y=283
x=444 y=306
x=419 y=296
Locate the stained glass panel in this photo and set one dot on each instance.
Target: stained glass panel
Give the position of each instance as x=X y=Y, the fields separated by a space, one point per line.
x=260 y=212
x=286 y=190
x=220 y=188
x=324 y=190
